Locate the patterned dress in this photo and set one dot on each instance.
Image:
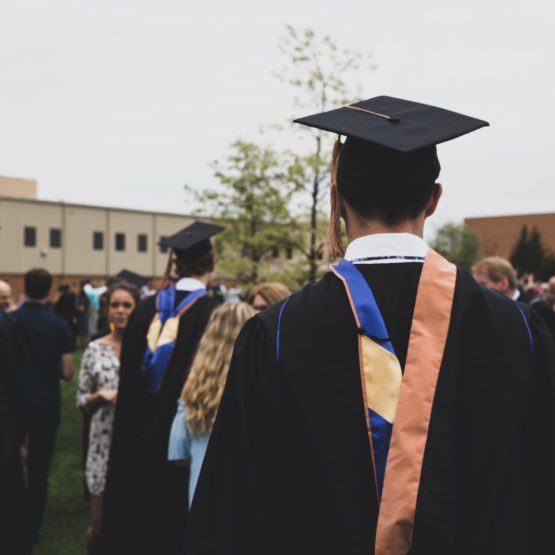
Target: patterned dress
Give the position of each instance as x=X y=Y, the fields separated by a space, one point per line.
x=99 y=370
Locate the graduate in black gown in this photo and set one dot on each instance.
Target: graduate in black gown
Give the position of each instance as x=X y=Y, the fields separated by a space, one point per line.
x=145 y=502
x=396 y=406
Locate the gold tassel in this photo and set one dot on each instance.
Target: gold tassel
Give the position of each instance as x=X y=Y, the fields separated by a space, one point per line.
x=167 y=277
x=334 y=247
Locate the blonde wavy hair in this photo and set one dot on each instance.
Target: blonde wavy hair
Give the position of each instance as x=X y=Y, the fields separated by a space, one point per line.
x=204 y=386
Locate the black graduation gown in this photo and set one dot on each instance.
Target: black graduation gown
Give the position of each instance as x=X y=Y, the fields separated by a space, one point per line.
x=288 y=468
x=12 y=369
x=145 y=501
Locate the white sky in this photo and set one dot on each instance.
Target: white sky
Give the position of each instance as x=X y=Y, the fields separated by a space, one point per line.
x=121 y=102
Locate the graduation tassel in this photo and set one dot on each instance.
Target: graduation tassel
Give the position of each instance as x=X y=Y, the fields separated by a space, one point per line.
x=166 y=280
x=334 y=246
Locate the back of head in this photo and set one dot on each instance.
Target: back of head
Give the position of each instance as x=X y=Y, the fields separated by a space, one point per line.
x=37 y=284
x=271 y=291
x=189 y=264
x=204 y=386
x=496 y=269
x=382 y=184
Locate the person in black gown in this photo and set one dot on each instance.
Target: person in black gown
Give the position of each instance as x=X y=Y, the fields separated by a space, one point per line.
x=290 y=467
x=145 y=501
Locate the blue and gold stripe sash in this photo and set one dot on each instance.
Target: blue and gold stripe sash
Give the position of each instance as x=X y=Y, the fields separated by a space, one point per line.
x=381 y=371
x=162 y=334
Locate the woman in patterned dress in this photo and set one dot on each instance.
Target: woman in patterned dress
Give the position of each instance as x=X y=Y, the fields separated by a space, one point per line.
x=97 y=394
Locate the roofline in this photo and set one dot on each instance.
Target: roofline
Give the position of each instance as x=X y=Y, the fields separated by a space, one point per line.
x=511 y=216
x=100 y=207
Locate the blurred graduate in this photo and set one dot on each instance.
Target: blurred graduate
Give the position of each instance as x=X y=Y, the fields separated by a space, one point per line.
x=145 y=501
x=396 y=406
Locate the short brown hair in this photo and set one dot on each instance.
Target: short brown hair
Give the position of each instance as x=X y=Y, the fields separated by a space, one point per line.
x=123 y=286
x=496 y=268
x=185 y=266
x=271 y=291
x=37 y=283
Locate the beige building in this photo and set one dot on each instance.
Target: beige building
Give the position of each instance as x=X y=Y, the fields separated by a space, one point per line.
x=499 y=234
x=75 y=241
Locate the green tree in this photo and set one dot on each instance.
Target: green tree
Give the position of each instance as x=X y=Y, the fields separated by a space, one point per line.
x=528 y=254
x=519 y=254
x=457 y=243
x=318 y=71
x=252 y=198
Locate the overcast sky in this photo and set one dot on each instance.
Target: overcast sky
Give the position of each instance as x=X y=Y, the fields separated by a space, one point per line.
x=121 y=102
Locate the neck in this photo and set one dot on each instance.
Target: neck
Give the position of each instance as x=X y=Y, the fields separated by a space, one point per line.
x=360 y=228
x=117 y=335
x=204 y=278
x=37 y=301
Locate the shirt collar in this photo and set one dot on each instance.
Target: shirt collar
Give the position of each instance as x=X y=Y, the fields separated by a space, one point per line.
x=189 y=284
x=515 y=295
x=386 y=248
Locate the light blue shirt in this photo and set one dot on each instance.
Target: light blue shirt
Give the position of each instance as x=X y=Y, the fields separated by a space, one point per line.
x=185 y=447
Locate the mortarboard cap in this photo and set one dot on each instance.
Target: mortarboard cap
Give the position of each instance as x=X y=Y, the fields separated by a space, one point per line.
x=393 y=123
x=194 y=240
x=134 y=279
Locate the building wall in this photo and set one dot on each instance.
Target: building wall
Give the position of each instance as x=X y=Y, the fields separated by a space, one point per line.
x=18 y=188
x=80 y=223
x=499 y=234
x=15 y=215
x=76 y=256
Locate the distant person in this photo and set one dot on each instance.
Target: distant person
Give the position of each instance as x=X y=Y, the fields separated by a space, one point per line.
x=83 y=308
x=12 y=366
x=198 y=404
x=6 y=299
x=97 y=394
x=268 y=294
x=94 y=293
x=66 y=307
x=497 y=273
x=145 y=501
x=49 y=345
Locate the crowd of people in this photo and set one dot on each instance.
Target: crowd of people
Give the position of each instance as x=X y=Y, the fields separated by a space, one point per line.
x=400 y=404
x=39 y=337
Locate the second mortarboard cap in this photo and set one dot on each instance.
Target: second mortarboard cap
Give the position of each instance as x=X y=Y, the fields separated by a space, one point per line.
x=133 y=278
x=193 y=241
x=393 y=123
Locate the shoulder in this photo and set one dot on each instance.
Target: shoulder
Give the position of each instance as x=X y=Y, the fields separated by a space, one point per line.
x=312 y=301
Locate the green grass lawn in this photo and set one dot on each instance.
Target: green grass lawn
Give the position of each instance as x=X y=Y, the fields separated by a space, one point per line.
x=67 y=514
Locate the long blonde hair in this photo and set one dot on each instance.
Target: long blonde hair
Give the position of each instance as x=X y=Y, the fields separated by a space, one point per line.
x=204 y=386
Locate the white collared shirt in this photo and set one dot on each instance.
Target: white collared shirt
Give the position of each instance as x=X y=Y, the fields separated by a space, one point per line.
x=387 y=248
x=189 y=284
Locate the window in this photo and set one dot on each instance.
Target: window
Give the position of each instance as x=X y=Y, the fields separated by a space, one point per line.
x=120 y=241
x=55 y=238
x=275 y=252
x=142 y=242
x=98 y=240
x=289 y=253
x=163 y=248
x=30 y=236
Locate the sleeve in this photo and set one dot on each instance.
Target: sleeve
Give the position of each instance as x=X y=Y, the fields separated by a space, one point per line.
x=179 y=446
x=540 y=449
x=87 y=382
x=226 y=511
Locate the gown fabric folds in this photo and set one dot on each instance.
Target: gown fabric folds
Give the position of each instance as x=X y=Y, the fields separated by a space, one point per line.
x=288 y=468
x=145 y=502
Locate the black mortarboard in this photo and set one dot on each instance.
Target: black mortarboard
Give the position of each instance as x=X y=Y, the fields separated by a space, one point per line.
x=400 y=125
x=194 y=240
x=131 y=277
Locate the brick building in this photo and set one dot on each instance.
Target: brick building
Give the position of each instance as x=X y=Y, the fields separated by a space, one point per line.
x=499 y=234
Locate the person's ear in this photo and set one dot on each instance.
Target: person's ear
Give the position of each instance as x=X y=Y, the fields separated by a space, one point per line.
x=434 y=199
